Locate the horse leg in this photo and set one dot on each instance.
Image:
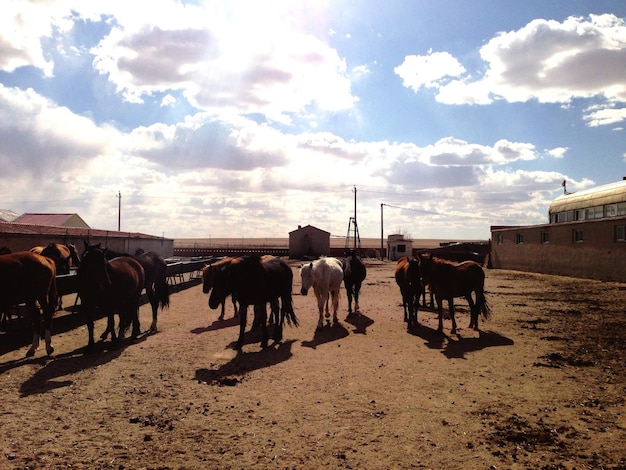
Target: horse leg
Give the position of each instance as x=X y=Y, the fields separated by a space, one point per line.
x=440 y=312
x=451 y=308
x=154 y=303
x=35 y=317
x=221 y=317
x=260 y=313
x=278 y=313
x=335 y=298
x=473 y=312
x=349 y=292
x=235 y=309
x=243 y=313
x=357 y=288
x=322 y=299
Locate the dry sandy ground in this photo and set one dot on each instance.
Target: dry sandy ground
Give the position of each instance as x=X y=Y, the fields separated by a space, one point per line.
x=541 y=387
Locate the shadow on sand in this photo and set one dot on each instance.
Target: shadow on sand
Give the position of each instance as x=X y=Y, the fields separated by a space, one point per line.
x=231 y=373
x=326 y=334
x=457 y=348
x=67 y=364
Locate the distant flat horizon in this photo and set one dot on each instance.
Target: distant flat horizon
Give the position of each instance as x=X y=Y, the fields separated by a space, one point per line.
x=335 y=242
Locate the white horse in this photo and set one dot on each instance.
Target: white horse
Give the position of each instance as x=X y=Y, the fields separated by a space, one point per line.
x=325 y=276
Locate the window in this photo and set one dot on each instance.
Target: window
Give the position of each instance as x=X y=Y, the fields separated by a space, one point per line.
x=620 y=233
x=401 y=248
x=610 y=210
x=621 y=208
x=579 y=214
x=577 y=235
x=519 y=239
x=596 y=212
x=545 y=237
x=554 y=218
x=500 y=239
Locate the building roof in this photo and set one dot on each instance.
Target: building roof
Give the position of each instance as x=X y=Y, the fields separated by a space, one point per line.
x=599 y=196
x=12 y=228
x=308 y=228
x=59 y=220
x=7 y=215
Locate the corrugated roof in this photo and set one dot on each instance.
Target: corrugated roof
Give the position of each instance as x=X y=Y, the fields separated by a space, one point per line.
x=44 y=219
x=13 y=228
x=600 y=195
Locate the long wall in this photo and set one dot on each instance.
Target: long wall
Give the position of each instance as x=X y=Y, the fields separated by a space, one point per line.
x=599 y=255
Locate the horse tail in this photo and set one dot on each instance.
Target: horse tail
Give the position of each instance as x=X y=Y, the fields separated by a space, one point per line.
x=482 y=305
x=287 y=310
x=162 y=292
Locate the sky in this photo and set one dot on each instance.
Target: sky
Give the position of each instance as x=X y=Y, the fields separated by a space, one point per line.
x=200 y=119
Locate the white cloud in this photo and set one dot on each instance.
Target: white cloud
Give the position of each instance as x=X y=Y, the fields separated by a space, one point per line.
x=428 y=71
x=546 y=60
x=604 y=116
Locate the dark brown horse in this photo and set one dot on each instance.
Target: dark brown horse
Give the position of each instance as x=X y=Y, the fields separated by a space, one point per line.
x=157 y=290
x=448 y=280
x=408 y=278
x=354 y=273
x=113 y=285
x=208 y=279
x=30 y=278
x=256 y=281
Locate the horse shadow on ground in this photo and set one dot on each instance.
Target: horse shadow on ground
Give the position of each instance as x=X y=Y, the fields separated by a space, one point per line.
x=457 y=348
x=232 y=372
x=67 y=364
x=217 y=325
x=326 y=334
x=360 y=322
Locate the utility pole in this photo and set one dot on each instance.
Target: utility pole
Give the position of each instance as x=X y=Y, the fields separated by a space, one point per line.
x=381 y=231
x=355 y=225
x=119 y=210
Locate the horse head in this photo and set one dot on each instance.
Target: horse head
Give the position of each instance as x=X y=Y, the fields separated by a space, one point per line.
x=221 y=287
x=208 y=276
x=306 y=273
x=93 y=271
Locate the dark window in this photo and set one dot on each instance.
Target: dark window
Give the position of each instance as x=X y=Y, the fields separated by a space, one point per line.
x=577 y=235
x=519 y=239
x=545 y=237
x=620 y=233
x=401 y=248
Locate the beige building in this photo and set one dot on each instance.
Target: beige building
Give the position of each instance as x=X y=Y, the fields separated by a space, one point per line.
x=585 y=237
x=398 y=246
x=308 y=242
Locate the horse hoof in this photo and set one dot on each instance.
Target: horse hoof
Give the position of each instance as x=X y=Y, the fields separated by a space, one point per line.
x=50 y=350
x=30 y=353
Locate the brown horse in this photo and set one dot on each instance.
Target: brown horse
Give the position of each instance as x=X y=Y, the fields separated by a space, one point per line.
x=114 y=285
x=256 y=281
x=208 y=279
x=30 y=278
x=64 y=256
x=448 y=280
x=409 y=280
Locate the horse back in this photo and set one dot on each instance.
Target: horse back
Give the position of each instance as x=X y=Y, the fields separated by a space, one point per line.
x=127 y=277
x=26 y=275
x=449 y=279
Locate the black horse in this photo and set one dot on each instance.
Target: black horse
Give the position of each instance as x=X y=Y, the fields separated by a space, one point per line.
x=157 y=290
x=113 y=285
x=354 y=273
x=255 y=281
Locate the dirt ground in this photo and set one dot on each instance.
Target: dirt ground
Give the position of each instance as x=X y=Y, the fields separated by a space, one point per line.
x=541 y=387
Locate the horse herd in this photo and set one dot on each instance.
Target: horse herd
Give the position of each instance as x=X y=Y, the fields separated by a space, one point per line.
x=113 y=282
x=109 y=281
